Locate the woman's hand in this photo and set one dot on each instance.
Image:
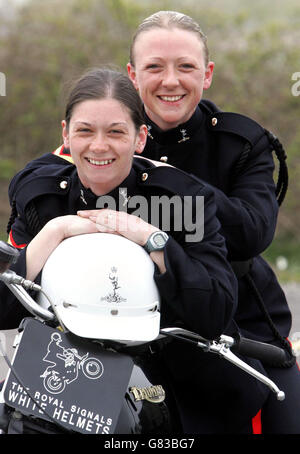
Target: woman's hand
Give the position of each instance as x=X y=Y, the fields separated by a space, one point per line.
x=127 y=225
x=71 y=225
x=121 y=223
x=51 y=235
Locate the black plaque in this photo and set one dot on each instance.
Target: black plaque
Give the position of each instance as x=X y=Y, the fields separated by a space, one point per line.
x=74 y=382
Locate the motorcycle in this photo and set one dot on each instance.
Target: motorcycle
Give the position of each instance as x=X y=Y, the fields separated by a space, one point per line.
x=55 y=380
x=62 y=382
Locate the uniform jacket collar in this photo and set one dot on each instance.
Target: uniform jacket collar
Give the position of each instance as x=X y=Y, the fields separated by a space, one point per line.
x=180 y=134
x=120 y=194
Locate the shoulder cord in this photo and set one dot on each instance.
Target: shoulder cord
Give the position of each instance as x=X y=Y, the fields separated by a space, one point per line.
x=31 y=217
x=282 y=183
x=281 y=189
x=284 y=342
x=12 y=217
x=242 y=159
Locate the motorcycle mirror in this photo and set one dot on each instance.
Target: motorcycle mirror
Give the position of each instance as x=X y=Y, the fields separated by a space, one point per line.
x=8 y=256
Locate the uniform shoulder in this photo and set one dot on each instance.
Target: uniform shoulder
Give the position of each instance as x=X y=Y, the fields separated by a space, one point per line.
x=40 y=174
x=219 y=121
x=166 y=177
x=59 y=157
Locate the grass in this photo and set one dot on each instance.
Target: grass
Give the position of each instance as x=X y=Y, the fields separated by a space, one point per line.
x=3 y=237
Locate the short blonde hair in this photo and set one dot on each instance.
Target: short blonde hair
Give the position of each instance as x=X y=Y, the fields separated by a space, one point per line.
x=168 y=20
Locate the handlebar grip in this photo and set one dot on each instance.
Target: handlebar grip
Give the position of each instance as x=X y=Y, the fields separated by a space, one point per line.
x=8 y=256
x=268 y=354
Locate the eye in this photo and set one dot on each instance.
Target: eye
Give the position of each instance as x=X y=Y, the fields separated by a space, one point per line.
x=116 y=131
x=153 y=67
x=187 y=66
x=84 y=130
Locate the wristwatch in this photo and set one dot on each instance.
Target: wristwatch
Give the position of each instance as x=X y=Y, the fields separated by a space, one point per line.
x=156 y=241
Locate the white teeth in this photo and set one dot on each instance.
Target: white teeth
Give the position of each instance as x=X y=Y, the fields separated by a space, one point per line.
x=171 y=98
x=100 y=163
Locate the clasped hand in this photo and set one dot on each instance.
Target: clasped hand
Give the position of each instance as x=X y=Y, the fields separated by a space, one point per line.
x=121 y=223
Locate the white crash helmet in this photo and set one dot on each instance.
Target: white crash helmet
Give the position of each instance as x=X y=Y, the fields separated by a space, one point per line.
x=102 y=286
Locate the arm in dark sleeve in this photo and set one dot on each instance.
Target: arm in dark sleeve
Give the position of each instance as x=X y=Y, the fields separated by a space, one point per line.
x=199 y=287
x=248 y=213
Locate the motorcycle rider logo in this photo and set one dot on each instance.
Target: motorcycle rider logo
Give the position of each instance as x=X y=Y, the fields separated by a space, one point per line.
x=65 y=364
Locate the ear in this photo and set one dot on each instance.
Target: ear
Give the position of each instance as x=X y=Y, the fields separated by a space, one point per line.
x=65 y=134
x=132 y=75
x=141 y=139
x=208 y=75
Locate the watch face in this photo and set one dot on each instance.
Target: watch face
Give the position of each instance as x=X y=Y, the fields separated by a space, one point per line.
x=159 y=240
x=156 y=242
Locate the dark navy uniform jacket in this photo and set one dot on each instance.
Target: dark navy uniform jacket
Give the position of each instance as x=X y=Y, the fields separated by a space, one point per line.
x=211 y=146
x=233 y=155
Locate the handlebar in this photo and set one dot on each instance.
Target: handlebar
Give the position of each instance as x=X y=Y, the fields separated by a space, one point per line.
x=8 y=256
x=18 y=286
x=268 y=354
x=224 y=346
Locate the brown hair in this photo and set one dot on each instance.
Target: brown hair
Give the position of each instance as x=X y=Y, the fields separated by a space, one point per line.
x=101 y=83
x=168 y=20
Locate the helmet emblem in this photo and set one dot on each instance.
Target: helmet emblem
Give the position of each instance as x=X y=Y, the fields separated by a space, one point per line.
x=113 y=296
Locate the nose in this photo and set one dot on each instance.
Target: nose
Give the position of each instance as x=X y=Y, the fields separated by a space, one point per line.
x=99 y=143
x=170 y=78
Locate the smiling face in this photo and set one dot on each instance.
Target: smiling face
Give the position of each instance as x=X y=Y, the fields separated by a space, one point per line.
x=170 y=74
x=102 y=139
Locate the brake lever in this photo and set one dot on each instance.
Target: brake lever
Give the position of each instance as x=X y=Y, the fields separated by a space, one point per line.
x=222 y=349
